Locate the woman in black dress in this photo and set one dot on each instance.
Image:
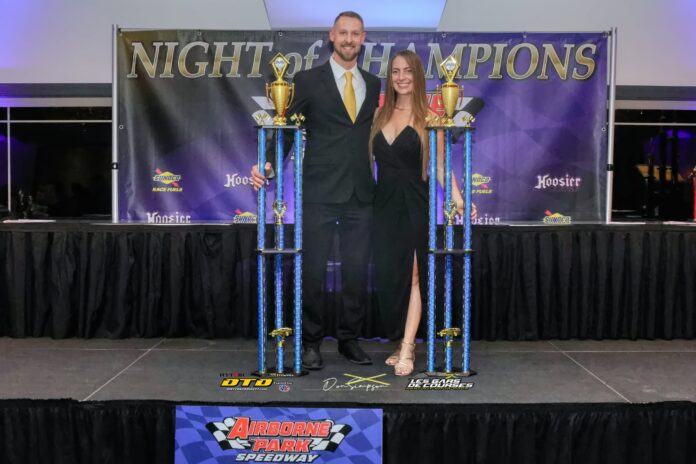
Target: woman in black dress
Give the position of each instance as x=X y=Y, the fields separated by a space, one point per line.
x=399 y=144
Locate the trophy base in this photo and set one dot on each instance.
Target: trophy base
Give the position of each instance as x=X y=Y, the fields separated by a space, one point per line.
x=273 y=251
x=443 y=374
x=278 y=126
x=456 y=251
x=273 y=372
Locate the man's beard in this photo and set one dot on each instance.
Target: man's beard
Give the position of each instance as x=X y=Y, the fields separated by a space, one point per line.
x=347 y=55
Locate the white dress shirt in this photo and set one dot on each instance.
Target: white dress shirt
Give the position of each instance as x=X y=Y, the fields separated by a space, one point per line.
x=359 y=86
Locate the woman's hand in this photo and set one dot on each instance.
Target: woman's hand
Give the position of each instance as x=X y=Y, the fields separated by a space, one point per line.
x=459 y=204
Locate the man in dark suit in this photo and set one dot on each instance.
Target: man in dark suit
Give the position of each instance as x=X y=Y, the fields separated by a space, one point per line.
x=338 y=100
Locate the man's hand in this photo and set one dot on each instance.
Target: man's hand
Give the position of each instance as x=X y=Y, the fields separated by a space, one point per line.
x=257 y=179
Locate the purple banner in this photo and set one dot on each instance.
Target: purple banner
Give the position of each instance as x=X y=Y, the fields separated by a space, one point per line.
x=187 y=102
x=259 y=434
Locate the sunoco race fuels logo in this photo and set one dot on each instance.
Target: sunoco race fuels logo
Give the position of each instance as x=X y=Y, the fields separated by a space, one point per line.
x=245 y=217
x=167 y=178
x=556 y=218
x=481 y=184
x=270 y=441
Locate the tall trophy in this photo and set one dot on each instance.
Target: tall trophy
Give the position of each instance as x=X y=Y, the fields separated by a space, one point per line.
x=280 y=93
x=449 y=91
x=449 y=95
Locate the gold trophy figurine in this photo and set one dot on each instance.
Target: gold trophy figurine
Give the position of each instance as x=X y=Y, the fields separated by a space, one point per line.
x=279 y=92
x=279 y=208
x=450 y=211
x=449 y=91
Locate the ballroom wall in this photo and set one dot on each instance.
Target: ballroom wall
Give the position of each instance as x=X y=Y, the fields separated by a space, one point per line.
x=45 y=41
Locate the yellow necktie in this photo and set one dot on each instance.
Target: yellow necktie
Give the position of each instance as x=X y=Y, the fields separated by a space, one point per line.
x=349 y=96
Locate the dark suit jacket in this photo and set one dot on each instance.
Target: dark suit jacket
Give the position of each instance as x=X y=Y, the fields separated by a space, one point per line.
x=336 y=161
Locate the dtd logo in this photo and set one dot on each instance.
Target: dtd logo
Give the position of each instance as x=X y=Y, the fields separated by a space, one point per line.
x=246 y=382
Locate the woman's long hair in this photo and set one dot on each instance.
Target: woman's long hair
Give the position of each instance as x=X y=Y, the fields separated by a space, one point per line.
x=419 y=104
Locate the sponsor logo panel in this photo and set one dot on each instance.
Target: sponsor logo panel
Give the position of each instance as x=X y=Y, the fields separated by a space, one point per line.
x=270 y=440
x=481 y=184
x=556 y=218
x=236 y=180
x=236 y=381
x=166 y=181
x=431 y=383
x=243 y=217
x=216 y=433
x=482 y=218
x=155 y=217
x=565 y=183
x=352 y=382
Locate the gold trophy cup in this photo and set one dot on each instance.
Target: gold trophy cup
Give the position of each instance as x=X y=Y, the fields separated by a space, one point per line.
x=279 y=92
x=449 y=91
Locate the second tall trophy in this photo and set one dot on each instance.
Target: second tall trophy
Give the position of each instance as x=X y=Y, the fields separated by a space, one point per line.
x=450 y=95
x=280 y=93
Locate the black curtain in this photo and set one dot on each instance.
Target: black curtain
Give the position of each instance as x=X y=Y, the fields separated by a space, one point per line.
x=596 y=282
x=71 y=432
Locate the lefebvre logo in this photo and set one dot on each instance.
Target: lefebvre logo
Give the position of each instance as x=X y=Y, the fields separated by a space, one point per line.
x=566 y=183
x=235 y=180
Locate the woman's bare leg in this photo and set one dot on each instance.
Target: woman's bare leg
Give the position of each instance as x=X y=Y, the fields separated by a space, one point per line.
x=406 y=361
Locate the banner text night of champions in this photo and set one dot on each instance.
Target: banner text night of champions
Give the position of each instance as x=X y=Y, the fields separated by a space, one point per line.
x=517 y=61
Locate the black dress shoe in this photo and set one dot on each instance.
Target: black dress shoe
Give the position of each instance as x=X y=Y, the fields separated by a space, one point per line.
x=353 y=353
x=311 y=358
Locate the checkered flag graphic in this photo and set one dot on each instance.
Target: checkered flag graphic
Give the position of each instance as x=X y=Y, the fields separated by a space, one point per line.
x=220 y=430
x=336 y=436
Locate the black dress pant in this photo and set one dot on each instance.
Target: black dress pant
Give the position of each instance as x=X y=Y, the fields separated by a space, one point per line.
x=353 y=220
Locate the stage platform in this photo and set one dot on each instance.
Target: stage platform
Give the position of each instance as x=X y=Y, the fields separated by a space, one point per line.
x=180 y=370
x=555 y=401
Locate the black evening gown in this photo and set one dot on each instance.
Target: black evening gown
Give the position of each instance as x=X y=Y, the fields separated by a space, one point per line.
x=401 y=226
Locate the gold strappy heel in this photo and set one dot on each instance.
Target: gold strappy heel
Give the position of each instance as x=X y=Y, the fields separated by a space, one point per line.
x=407 y=358
x=394 y=358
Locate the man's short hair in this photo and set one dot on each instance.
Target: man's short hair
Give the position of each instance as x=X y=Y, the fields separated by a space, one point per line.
x=350 y=14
